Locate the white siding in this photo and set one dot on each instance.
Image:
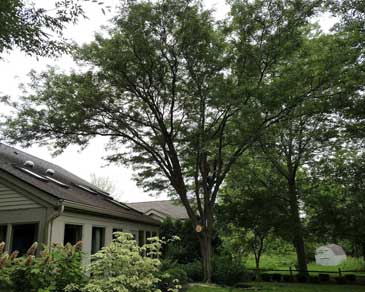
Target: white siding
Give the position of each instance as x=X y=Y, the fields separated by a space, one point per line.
x=87 y=222
x=11 y=200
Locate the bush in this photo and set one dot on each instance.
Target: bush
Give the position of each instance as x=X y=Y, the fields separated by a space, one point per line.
x=194 y=271
x=340 y=280
x=172 y=277
x=266 y=277
x=350 y=277
x=51 y=271
x=314 y=279
x=276 y=277
x=287 y=278
x=228 y=271
x=302 y=278
x=324 y=277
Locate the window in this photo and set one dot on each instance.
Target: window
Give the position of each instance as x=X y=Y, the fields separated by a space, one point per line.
x=154 y=233
x=3 y=229
x=23 y=236
x=141 y=237
x=116 y=230
x=73 y=234
x=98 y=239
x=148 y=235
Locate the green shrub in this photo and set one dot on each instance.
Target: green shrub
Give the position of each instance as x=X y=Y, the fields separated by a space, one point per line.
x=276 y=277
x=353 y=264
x=228 y=270
x=324 y=277
x=350 y=278
x=51 y=271
x=171 y=277
x=194 y=271
x=266 y=277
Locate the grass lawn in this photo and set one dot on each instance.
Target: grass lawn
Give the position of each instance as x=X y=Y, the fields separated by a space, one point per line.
x=278 y=287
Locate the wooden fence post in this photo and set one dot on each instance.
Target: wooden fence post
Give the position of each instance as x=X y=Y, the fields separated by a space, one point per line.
x=339 y=272
x=291 y=272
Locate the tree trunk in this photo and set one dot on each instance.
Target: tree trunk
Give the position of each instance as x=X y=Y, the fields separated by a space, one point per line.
x=206 y=248
x=297 y=230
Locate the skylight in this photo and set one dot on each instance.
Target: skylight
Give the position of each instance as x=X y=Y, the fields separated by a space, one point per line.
x=85 y=188
x=58 y=182
x=33 y=174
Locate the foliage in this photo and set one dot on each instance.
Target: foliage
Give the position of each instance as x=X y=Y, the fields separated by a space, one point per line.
x=336 y=207
x=170 y=275
x=228 y=270
x=124 y=266
x=186 y=248
x=254 y=187
x=30 y=29
x=193 y=270
x=51 y=271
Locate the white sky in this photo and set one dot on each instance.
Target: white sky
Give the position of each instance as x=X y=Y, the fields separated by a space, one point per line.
x=15 y=66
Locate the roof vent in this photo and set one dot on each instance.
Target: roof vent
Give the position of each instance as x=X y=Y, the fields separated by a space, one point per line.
x=50 y=171
x=29 y=163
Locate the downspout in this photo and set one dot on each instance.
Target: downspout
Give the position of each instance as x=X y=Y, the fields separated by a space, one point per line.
x=59 y=211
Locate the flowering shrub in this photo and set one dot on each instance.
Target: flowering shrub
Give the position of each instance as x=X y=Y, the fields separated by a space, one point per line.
x=123 y=266
x=51 y=271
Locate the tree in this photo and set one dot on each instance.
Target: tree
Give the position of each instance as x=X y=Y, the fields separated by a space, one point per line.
x=30 y=29
x=336 y=207
x=102 y=182
x=252 y=202
x=184 y=94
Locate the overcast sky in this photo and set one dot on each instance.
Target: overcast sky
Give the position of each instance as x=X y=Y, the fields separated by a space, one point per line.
x=13 y=71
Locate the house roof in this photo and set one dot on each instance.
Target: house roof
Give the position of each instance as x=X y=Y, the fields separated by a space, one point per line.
x=32 y=170
x=167 y=208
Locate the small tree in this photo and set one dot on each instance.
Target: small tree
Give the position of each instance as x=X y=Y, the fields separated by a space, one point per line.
x=252 y=204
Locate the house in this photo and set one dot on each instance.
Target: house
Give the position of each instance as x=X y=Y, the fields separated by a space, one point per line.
x=330 y=255
x=42 y=202
x=161 y=210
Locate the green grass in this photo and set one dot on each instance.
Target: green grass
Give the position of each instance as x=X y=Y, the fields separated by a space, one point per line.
x=276 y=262
x=269 y=287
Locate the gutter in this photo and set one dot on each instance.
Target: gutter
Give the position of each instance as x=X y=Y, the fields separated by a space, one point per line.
x=59 y=211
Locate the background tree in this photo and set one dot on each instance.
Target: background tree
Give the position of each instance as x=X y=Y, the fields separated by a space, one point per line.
x=102 y=182
x=33 y=30
x=252 y=203
x=336 y=207
x=184 y=94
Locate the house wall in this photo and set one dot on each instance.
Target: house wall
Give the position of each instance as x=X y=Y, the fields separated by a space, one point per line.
x=17 y=208
x=13 y=200
x=88 y=222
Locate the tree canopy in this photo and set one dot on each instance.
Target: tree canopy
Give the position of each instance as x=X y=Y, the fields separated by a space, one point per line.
x=33 y=30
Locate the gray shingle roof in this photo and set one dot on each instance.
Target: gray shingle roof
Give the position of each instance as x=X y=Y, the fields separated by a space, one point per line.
x=169 y=208
x=11 y=160
x=337 y=250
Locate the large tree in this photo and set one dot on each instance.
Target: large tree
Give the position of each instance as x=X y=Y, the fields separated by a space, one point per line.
x=179 y=95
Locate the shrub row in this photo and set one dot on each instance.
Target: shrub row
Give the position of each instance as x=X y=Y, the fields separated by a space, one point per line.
x=321 y=278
